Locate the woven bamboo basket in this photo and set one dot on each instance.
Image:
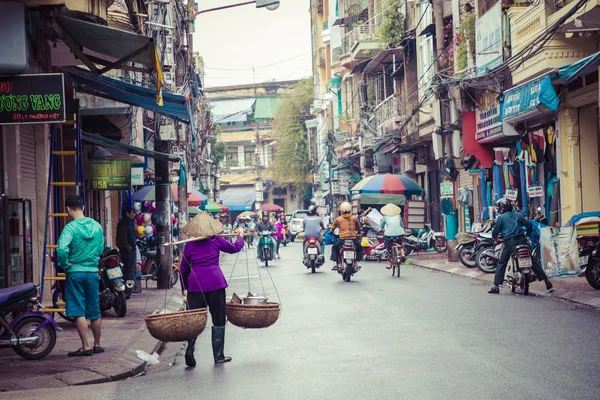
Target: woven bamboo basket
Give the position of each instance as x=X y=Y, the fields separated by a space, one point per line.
x=253 y=316
x=177 y=326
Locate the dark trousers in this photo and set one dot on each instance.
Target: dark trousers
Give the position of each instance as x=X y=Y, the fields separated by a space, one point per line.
x=128 y=258
x=335 y=249
x=507 y=250
x=215 y=300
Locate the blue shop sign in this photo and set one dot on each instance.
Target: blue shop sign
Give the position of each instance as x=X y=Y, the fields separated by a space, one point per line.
x=527 y=97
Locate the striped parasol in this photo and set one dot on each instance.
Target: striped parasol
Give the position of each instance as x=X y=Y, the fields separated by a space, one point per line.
x=388 y=184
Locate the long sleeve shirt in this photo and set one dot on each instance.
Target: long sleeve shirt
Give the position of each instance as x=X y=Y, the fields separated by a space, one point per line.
x=200 y=270
x=348 y=225
x=510 y=224
x=393 y=226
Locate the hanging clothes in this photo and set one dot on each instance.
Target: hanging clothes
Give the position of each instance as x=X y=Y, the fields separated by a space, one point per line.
x=498 y=186
x=553 y=219
x=550 y=184
x=523 y=183
x=550 y=154
x=484 y=198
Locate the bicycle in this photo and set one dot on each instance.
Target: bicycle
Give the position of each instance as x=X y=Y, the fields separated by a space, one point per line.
x=397 y=258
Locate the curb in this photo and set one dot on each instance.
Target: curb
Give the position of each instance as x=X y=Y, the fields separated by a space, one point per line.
x=566 y=295
x=124 y=365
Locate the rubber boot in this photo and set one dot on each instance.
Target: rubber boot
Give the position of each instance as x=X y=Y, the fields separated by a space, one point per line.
x=218 y=344
x=548 y=284
x=190 y=361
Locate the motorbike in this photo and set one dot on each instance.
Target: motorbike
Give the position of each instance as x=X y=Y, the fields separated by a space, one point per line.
x=112 y=286
x=588 y=261
x=149 y=267
x=376 y=251
x=312 y=255
x=347 y=260
x=31 y=334
x=285 y=238
x=265 y=247
x=425 y=240
x=519 y=272
x=488 y=253
x=467 y=242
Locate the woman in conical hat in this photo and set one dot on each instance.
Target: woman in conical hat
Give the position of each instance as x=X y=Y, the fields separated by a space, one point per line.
x=391 y=223
x=201 y=275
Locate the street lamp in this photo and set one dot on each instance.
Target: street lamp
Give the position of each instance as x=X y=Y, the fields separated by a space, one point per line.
x=270 y=5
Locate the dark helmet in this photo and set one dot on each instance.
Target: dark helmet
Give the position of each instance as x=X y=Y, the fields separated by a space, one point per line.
x=504 y=205
x=312 y=210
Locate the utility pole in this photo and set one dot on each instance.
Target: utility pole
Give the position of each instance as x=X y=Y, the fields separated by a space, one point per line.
x=182 y=192
x=163 y=212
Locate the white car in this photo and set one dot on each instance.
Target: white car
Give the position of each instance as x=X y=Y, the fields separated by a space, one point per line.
x=296 y=223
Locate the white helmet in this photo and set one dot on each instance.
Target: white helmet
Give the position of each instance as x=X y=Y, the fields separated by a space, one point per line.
x=345 y=207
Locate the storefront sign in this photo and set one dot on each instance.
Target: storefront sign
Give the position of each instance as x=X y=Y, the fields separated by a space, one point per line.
x=528 y=97
x=487 y=117
x=511 y=195
x=32 y=99
x=488 y=39
x=446 y=189
x=535 y=191
x=137 y=176
x=110 y=174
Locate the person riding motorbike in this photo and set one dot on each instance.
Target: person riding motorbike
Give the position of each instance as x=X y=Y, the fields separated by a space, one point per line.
x=313 y=226
x=349 y=230
x=265 y=224
x=510 y=225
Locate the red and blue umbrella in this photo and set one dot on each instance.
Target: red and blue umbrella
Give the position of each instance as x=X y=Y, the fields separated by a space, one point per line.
x=388 y=184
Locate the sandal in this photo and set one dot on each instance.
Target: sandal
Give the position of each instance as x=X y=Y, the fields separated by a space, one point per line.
x=97 y=349
x=80 y=353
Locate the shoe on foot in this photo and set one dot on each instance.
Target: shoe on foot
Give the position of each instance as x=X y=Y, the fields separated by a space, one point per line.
x=190 y=361
x=548 y=284
x=80 y=353
x=97 y=349
x=335 y=268
x=494 y=290
x=223 y=360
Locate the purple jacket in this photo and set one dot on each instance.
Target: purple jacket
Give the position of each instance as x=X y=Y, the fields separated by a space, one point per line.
x=200 y=270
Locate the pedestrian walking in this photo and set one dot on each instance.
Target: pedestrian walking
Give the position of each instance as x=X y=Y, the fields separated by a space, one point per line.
x=278 y=236
x=126 y=243
x=203 y=278
x=391 y=224
x=80 y=246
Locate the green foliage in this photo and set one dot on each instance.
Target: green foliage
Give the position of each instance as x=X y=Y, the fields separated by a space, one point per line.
x=466 y=41
x=219 y=151
x=391 y=30
x=291 y=163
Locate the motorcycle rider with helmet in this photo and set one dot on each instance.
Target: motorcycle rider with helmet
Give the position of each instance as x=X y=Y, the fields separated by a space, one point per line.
x=349 y=230
x=313 y=225
x=510 y=225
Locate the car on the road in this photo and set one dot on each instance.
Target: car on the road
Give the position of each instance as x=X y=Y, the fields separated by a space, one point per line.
x=296 y=223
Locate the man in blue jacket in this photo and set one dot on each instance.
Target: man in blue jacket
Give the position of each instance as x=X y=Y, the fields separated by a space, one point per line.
x=80 y=246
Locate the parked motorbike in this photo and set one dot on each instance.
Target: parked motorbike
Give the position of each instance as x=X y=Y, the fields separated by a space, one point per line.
x=425 y=240
x=265 y=247
x=375 y=251
x=149 y=265
x=112 y=286
x=467 y=242
x=31 y=334
x=347 y=260
x=488 y=253
x=588 y=261
x=519 y=272
x=313 y=257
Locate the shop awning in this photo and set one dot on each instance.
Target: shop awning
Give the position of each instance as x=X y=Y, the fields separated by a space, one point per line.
x=98 y=44
x=127 y=148
x=360 y=67
x=239 y=198
x=524 y=100
x=174 y=106
x=568 y=73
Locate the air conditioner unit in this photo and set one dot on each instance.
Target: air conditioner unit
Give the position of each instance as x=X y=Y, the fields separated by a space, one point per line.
x=169 y=54
x=408 y=163
x=167 y=131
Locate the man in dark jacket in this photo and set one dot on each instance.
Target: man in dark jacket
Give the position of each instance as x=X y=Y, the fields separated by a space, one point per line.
x=126 y=245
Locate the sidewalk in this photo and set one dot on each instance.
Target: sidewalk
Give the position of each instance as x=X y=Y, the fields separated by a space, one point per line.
x=121 y=337
x=572 y=289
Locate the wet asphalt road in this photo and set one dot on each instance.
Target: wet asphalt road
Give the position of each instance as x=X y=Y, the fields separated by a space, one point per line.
x=426 y=335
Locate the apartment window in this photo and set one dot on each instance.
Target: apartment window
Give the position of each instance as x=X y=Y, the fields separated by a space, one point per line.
x=426 y=69
x=249 y=156
x=232 y=157
x=425 y=16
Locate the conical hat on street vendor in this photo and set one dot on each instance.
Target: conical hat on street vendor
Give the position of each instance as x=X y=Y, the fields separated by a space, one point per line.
x=202 y=226
x=390 y=210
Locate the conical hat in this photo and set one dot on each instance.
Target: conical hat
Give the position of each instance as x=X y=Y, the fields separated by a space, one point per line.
x=390 y=210
x=202 y=226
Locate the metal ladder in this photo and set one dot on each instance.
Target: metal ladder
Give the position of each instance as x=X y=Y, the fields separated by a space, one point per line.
x=52 y=197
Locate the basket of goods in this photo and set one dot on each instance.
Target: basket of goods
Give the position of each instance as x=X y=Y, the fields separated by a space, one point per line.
x=253 y=312
x=178 y=326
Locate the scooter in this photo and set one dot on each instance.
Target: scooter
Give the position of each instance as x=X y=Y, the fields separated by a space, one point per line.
x=589 y=263
x=467 y=242
x=313 y=257
x=519 y=272
x=112 y=286
x=425 y=240
x=31 y=334
x=265 y=247
x=347 y=260
x=376 y=251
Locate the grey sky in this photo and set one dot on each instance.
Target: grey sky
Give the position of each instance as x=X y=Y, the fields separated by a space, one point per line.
x=246 y=37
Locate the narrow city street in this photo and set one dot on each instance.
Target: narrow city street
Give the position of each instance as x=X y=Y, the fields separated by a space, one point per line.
x=425 y=335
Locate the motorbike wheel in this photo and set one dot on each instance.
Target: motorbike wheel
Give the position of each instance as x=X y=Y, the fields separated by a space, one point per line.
x=440 y=245
x=347 y=275
x=312 y=267
x=174 y=276
x=466 y=257
x=592 y=274
x=121 y=306
x=484 y=262
x=55 y=299
x=28 y=327
x=525 y=285
x=407 y=250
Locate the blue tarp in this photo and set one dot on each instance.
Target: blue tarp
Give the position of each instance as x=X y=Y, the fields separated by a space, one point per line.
x=527 y=97
x=573 y=70
x=175 y=106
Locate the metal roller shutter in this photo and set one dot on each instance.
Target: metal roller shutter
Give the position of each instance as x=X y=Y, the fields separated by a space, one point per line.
x=465 y=179
x=28 y=163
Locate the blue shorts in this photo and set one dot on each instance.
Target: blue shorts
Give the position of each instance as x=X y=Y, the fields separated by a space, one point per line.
x=81 y=295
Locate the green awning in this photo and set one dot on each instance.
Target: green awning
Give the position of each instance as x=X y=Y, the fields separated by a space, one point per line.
x=127 y=148
x=266 y=107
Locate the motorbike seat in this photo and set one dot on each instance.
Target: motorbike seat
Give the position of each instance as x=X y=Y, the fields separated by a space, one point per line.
x=521 y=249
x=150 y=253
x=485 y=235
x=16 y=293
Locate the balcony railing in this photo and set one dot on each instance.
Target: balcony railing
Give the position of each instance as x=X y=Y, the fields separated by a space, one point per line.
x=387 y=109
x=364 y=32
x=336 y=53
